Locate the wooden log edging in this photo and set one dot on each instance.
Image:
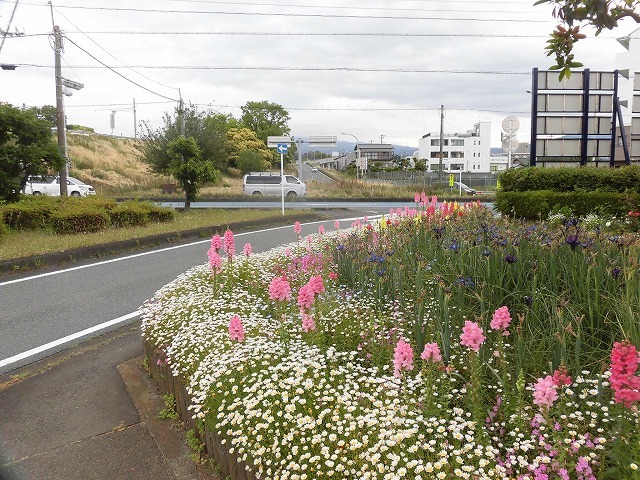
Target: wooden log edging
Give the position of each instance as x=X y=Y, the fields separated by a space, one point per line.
x=230 y=464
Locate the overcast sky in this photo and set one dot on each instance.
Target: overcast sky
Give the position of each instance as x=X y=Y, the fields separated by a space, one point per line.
x=368 y=68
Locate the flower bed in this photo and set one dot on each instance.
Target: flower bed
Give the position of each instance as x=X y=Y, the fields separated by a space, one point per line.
x=439 y=342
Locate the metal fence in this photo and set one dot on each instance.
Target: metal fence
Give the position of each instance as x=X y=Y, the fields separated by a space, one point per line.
x=479 y=181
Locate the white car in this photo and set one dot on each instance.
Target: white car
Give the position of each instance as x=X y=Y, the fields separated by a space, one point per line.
x=50 y=185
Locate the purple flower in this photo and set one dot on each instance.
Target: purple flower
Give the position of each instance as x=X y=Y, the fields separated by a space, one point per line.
x=572 y=241
x=615 y=273
x=528 y=300
x=510 y=258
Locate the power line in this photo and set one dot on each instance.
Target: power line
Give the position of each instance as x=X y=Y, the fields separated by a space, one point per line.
x=302 y=15
x=325 y=34
x=292 y=69
x=118 y=73
x=111 y=55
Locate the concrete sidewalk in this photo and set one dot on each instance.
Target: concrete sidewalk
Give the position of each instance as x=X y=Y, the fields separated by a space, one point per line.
x=90 y=413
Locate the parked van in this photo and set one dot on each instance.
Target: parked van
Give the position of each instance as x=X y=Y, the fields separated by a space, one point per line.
x=265 y=183
x=50 y=185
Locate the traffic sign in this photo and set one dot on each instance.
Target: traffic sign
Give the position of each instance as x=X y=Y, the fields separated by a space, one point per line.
x=451 y=179
x=282 y=148
x=323 y=141
x=274 y=141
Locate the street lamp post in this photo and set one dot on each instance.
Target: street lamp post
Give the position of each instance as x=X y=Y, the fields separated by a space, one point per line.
x=357 y=152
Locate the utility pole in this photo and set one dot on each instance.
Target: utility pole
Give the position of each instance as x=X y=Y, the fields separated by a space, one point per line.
x=181 y=114
x=135 y=120
x=60 y=124
x=441 y=143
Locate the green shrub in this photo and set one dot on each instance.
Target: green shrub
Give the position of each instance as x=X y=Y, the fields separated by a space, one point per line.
x=30 y=213
x=538 y=204
x=161 y=214
x=129 y=214
x=3 y=230
x=79 y=220
x=567 y=179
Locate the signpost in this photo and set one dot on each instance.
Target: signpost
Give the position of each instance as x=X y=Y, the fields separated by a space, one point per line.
x=281 y=144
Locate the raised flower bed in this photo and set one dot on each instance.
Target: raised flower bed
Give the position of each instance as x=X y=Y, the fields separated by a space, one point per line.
x=439 y=342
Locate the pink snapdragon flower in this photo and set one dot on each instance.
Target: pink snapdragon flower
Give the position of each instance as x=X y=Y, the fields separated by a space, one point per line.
x=545 y=392
x=236 y=331
x=306 y=296
x=216 y=242
x=561 y=377
x=248 y=250
x=402 y=357
x=316 y=284
x=472 y=335
x=229 y=245
x=431 y=352
x=321 y=230
x=279 y=289
x=215 y=262
x=307 y=323
x=297 y=228
x=416 y=197
x=336 y=224
x=624 y=365
x=501 y=319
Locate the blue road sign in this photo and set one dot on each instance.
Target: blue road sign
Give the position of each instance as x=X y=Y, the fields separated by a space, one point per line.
x=282 y=148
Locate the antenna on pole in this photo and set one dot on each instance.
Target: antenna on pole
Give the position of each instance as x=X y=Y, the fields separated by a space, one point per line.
x=510 y=126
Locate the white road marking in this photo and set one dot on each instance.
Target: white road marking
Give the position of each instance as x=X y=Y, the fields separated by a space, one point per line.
x=67 y=339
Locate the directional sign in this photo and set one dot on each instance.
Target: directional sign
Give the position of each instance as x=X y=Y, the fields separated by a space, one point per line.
x=274 y=141
x=322 y=141
x=282 y=148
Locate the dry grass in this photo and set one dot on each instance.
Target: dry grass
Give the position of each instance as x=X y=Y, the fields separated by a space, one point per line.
x=29 y=243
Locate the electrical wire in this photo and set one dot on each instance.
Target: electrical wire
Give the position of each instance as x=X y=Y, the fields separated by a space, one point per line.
x=118 y=73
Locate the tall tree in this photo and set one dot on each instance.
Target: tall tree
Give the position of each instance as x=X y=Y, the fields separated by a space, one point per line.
x=26 y=148
x=49 y=113
x=265 y=119
x=241 y=139
x=189 y=168
x=155 y=144
x=575 y=14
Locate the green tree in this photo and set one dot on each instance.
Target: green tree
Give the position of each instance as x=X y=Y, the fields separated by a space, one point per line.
x=199 y=125
x=26 y=148
x=265 y=119
x=49 y=113
x=576 y=14
x=251 y=161
x=241 y=139
x=189 y=168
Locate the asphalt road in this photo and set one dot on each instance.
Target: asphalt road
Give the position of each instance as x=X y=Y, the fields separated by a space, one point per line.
x=38 y=310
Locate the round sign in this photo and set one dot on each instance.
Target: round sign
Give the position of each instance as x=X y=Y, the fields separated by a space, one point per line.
x=510 y=143
x=510 y=124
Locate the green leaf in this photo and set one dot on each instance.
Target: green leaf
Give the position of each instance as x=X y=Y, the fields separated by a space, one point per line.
x=575 y=65
x=540 y=2
x=555 y=67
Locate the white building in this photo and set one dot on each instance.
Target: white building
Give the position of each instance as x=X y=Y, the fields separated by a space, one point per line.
x=469 y=151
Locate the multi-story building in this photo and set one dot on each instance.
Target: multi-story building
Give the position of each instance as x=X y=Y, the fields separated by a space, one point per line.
x=468 y=151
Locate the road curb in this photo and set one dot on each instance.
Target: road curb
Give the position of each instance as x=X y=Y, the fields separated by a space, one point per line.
x=169 y=439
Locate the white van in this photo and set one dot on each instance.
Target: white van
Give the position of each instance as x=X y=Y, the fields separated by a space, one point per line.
x=50 y=185
x=265 y=183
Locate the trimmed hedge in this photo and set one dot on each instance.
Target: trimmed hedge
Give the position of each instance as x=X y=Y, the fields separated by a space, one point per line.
x=70 y=220
x=588 y=179
x=30 y=214
x=128 y=215
x=539 y=204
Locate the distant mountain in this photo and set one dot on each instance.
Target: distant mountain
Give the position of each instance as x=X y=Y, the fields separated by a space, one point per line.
x=347 y=147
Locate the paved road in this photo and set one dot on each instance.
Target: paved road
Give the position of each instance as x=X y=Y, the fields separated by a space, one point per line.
x=43 y=308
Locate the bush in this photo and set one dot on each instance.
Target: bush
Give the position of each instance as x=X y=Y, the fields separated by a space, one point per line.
x=30 y=213
x=161 y=214
x=79 y=220
x=129 y=214
x=538 y=204
x=3 y=230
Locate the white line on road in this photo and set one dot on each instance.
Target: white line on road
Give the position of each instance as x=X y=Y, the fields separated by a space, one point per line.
x=152 y=252
x=67 y=339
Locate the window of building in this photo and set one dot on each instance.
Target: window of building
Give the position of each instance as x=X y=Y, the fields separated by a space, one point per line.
x=435 y=142
x=456 y=166
x=457 y=154
x=457 y=142
x=437 y=154
x=493 y=168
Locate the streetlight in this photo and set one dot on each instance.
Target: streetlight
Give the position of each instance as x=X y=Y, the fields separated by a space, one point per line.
x=357 y=151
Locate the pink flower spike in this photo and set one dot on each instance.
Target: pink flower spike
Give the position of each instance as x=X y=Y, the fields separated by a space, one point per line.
x=624 y=365
x=472 y=336
x=216 y=242
x=561 y=377
x=279 y=289
x=431 y=352
x=545 y=392
x=247 y=250
x=501 y=318
x=402 y=357
x=306 y=296
x=308 y=324
x=215 y=262
x=321 y=230
x=229 y=245
x=236 y=331
x=297 y=228
x=416 y=197
x=336 y=224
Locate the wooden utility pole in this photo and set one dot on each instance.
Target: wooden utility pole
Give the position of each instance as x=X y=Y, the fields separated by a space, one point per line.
x=60 y=124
